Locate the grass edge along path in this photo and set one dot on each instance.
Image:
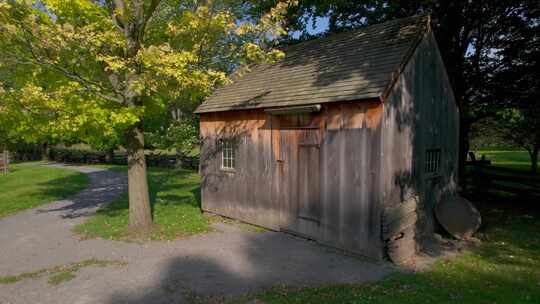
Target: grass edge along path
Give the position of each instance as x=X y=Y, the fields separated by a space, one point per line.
x=60 y=274
x=175 y=198
x=29 y=185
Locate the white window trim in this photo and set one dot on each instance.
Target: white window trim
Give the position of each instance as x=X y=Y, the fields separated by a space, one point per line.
x=228 y=155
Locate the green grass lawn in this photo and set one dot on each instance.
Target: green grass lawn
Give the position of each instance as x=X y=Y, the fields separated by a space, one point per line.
x=29 y=185
x=509 y=159
x=175 y=195
x=504 y=268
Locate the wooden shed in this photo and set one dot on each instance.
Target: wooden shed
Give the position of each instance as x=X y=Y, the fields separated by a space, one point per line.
x=350 y=140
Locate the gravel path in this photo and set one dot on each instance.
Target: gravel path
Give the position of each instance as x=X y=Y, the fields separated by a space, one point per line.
x=227 y=262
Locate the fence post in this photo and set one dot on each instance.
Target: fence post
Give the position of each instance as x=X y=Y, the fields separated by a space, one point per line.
x=5 y=161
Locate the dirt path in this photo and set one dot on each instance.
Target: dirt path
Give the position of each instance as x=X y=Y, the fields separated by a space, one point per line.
x=227 y=262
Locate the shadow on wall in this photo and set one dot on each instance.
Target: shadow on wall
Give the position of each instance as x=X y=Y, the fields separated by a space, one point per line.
x=229 y=126
x=251 y=262
x=421 y=116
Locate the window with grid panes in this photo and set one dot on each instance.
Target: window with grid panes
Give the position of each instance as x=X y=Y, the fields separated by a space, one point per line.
x=433 y=161
x=227 y=154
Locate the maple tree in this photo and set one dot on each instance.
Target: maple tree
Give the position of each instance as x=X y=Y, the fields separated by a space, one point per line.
x=95 y=70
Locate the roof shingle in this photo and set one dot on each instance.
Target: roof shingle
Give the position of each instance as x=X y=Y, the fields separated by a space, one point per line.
x=355 y=65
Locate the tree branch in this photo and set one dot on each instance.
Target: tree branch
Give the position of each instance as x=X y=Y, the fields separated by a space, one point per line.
x=151 y=10
x=90 y=85
x=112 y=6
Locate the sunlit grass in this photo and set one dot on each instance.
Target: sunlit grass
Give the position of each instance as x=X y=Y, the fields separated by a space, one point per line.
x=510 y=159
x=29 y=185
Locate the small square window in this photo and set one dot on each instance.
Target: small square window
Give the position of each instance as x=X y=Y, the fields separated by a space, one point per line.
x=433 y=161
x=299 y=120
x=227 y=154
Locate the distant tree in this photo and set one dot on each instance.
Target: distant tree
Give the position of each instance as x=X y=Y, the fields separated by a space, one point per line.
x=177 y=129
x=515 y=80
x=95 y=69
x=485 y=135
x=522 y=128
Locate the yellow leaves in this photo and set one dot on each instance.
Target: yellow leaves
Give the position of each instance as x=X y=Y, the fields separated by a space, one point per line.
x=74 y=11
x=80 y=49
x=254 y=52
x=244 y=28
x=275 y=55
x=9 y=28
x=112 y=63
x=167 y=62
x=272 y=23
x=124 y=117
x=68 y=28
x=191 y=29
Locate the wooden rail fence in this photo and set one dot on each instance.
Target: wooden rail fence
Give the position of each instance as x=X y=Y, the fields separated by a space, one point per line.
x=4 y=162
x=485 y=176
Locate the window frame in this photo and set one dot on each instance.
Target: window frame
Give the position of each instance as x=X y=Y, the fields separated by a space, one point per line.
x=432 y=162
x=292 y=121
x=228 y=154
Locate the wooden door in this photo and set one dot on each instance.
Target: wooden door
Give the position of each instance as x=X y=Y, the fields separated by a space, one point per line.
x=300 y=181
x=308 y=201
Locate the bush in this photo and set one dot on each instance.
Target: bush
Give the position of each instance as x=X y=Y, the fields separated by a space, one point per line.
x=77 y=156
x=25 y=152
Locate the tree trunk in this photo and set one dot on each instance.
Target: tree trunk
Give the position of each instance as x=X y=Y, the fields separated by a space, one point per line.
x=179 y=159
x=109 y=157
x=45 y=152
x=534 y=159
x=464 y=128
x=140 y=215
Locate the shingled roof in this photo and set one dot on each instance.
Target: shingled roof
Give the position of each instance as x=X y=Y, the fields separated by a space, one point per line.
x=354 y=65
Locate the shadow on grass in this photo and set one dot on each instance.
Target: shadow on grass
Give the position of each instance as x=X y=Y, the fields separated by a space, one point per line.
x=250 y=262
x=105 y=186
x=31 y=185
x=63 y=187
x=502 y=270
x=174 y=187
x=175 y=207
x=165 y=187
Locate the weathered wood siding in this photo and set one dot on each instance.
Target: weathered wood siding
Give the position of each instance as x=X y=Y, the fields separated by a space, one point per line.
x=331 y=179
x=351 y=192
x=246 y=193
x=420 y=113
x=321 y=181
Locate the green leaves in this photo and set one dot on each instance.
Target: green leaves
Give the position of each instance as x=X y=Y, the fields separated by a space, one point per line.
x=74 y=70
